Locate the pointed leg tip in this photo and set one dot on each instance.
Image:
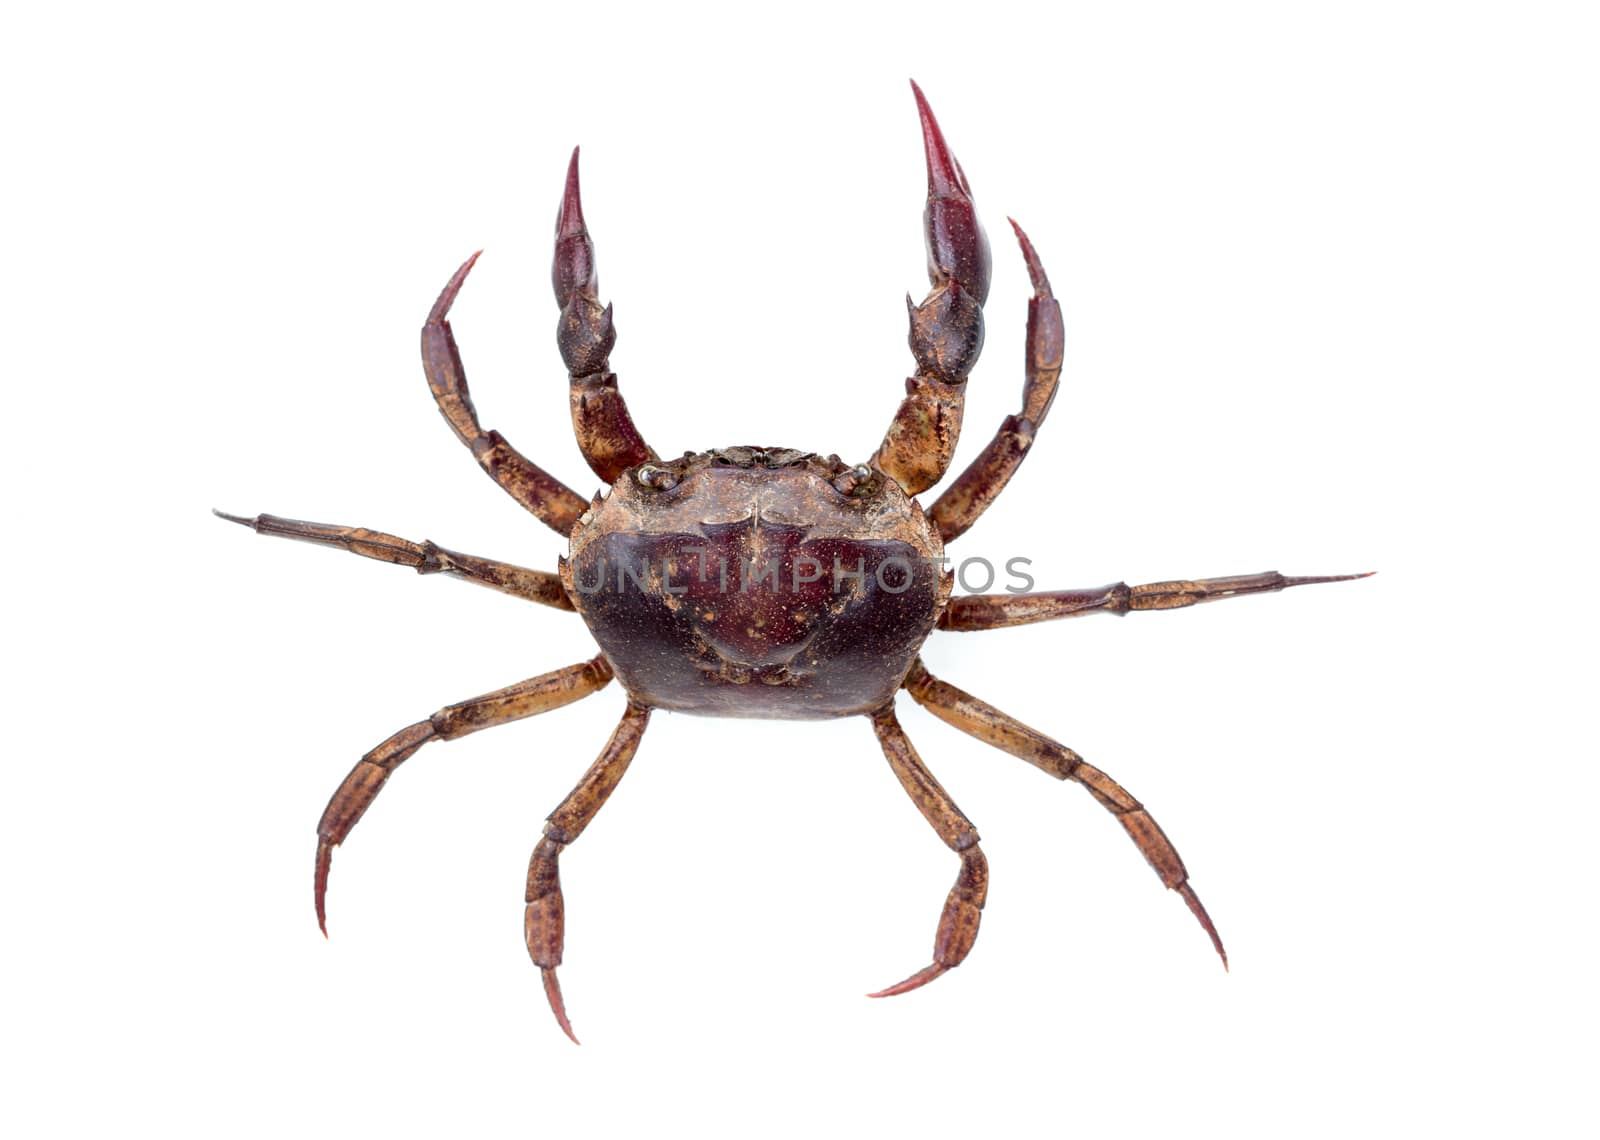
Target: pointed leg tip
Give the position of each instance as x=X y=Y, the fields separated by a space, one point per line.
x=1319 y=579
x=447 y=296
x=916 y=981
x=319 y=887
x=1030 y=256
x=242 y=521
x=1197 y=908
x=552 y=993
x=458 y=278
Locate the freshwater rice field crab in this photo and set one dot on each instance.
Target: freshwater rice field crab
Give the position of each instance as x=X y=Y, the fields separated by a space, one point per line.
x=764 y=581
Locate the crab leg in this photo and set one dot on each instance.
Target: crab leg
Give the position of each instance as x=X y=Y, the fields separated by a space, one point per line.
x=987 y=475
x=424 y=557
x=995 y=611
x=990 y=725
x=544 y=922
x=600 y=418
x=372 y=771
x=958 y=923
x=552 y=501
x=946 y=329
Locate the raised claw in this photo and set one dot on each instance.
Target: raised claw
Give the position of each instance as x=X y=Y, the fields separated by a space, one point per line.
x=573 y=269
x=958 y=249
x=946 y=333
x=915 y=982
x=585 y=336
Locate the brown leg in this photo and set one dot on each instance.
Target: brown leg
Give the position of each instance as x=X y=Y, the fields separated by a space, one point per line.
x=366 y=779
x=600 y=418
x=986 y=476
x=424 y=557
x=995 y=611
x=958 y=924
x=946 y=329
x=990 y=725
x=556 y=505
x=544 y=922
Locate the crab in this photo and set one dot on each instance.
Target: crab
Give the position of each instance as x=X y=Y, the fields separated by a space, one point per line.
x=766 y=581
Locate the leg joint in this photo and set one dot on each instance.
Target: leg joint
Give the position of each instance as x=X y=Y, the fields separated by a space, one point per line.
x=433 y=561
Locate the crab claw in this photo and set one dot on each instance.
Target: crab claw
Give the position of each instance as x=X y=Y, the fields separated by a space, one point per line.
x=958 y=249
x=585 y=334
x=573 y=269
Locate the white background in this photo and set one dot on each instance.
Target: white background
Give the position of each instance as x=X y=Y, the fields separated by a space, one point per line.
x=1329 y=280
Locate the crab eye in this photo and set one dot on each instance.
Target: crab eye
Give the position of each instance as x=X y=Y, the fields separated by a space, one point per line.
x=857 y=481
x=654 y=477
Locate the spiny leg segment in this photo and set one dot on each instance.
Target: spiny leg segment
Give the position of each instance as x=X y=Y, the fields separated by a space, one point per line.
x=600 y=417
x=946 y=329
x=544 y=922
x=958 y=923
x=982 y=720
x=959 y=506
x=372 y=771
x=996 y=611
x=424 y=557
x=551 y=501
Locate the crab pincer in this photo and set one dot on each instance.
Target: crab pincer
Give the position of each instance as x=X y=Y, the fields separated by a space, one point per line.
x=585 y=336
x=946 y=328
x=958 y=249
x=572 y=270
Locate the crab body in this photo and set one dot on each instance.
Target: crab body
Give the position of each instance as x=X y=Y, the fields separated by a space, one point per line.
x=789 y=597
x=765 y=582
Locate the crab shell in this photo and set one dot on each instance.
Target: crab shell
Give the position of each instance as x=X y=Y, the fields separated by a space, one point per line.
x=794 y=598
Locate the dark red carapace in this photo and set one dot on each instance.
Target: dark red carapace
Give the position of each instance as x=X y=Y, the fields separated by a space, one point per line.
x=782 y=594
x=765 y=581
